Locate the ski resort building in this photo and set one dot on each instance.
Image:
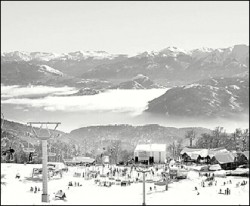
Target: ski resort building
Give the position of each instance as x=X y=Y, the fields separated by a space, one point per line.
x=150 y=153
x=226 y=159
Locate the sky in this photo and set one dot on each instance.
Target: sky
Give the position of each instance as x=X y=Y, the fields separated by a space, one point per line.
x=122 y=27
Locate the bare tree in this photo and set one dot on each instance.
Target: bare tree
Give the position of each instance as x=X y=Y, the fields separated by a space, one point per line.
x=191 y=136
x=236 y=139
x=245 y=140
x=216 y=134
x=175 y=148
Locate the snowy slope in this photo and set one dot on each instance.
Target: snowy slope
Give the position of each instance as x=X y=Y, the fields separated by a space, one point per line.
x=48 y=69
x=16 y=192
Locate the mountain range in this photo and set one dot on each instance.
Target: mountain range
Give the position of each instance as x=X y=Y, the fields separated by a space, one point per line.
x=169 y=66
x=203 y=82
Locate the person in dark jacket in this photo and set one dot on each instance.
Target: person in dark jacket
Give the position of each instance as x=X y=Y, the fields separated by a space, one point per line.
x=30 y=156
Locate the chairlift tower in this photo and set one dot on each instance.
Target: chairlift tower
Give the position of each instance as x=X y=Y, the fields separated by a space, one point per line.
x=143 y=171
x=44 y=139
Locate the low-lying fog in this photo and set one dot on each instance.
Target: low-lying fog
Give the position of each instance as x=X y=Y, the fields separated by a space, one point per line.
x=42 y=103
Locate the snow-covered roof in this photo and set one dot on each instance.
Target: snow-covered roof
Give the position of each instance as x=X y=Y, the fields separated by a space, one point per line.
x=151 y=147
x=246 y=153
x=224 y=157
x=202 y=152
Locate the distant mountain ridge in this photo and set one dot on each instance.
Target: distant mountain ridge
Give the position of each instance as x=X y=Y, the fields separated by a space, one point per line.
x=171 y=64
x=138 y=82
x=93 y=139
x=47 y=56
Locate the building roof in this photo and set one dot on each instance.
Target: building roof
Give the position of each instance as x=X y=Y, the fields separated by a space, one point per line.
x=246 y=153
x=151 y=147
x=194 y=153
x=202 y=152
x=224 y=157
x=186 y=149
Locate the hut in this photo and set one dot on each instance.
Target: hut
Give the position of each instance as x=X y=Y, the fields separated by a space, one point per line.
x=246 y=154
x=200 y=155
x=225 y=159
x=194 y=155
x=150 y=153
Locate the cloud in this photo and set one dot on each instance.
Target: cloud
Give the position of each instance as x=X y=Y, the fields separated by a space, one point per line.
x=33 y=91
x=133 y=101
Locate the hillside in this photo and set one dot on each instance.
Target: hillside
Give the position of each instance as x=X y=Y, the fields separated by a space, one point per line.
x=95 y=137
x=213 y=97
x=20 y=136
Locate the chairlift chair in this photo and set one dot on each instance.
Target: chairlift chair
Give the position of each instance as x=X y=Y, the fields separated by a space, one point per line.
x=29 y=149
x=50 y=153
x=3 y=141
x=8 y=154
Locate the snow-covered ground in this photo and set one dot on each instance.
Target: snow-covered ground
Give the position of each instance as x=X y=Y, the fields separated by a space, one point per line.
x=16 y=192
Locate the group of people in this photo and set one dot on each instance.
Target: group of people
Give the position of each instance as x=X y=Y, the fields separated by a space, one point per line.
x=76 y=184
x=212 y=182
x=227 y=191
x=35 y=189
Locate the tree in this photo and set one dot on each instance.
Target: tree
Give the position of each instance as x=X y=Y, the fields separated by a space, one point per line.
x=216 y=136
x=179 y=147
x=245 y=140
x=125 y=155
x=191 y=136
x=171 y=149
x=175 y=148
x=236 y=140
x=204 y=141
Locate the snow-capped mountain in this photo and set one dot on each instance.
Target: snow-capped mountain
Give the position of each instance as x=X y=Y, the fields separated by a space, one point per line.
x=25 y=73
x=28 y=56
x=213 y=97
x=174 y=52
x=138 y=82
x=44 y=56
x=172 y=64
